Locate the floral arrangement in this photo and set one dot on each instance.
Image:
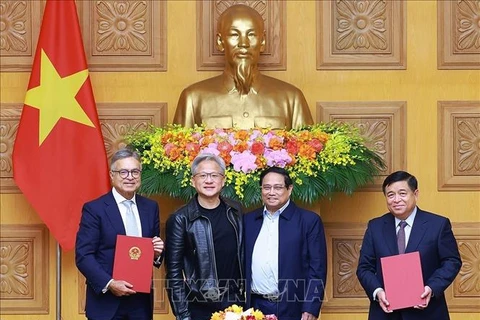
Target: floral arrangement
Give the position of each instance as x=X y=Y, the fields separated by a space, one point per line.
x=321 y=159
x=235 y=312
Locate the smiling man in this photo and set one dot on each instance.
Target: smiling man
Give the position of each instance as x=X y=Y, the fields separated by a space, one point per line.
x=406 y=228
x=119 y=212
x=204 y=250
x=241 y=96
x=285 y=253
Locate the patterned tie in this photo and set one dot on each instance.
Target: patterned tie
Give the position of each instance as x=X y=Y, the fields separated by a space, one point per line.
x=130 y=221
x=401 y=237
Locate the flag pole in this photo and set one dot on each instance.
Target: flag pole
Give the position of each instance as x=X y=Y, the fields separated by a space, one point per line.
x=59 y=283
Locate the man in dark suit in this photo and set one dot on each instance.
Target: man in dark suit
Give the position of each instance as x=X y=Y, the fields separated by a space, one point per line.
x=121 y=211
x=429 y=234
x=285 y=253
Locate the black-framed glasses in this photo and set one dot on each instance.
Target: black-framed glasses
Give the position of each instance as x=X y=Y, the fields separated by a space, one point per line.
x=124 y=173
x=277 y=188
x=204 y=175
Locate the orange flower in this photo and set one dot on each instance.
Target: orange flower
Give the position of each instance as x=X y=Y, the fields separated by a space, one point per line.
x=175 y=153
x=226 y=157
x=275 y=143
x=241 y=146
x=304 y=135
x=241 y=135
x=207 y=140
x=307 y=151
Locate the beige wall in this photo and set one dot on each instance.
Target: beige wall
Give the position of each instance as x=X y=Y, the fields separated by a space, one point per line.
x=421 y=86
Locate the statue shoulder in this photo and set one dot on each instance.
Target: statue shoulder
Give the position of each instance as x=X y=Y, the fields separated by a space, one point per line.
x=277 y=85
x=204 y=86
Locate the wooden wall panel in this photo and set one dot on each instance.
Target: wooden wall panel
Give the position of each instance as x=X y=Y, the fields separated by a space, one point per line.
x=361 y=34
x=464 y=294
x=119 y=119
x=274 y=15
x=344 y=292
x=116 y=120
x=24 y=269
x=458 y=45
x=381 y=123
x=125 y=35
x=459 y=145
x=19 y=29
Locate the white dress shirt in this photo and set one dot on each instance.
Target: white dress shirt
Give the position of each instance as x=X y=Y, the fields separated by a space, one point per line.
x=265 y=254
x=123 y=210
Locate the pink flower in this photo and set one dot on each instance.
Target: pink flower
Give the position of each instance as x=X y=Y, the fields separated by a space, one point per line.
x=212 y=148
x=244 y=161
x=278 y=158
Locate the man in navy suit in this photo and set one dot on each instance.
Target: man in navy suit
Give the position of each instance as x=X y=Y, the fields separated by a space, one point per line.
x=429 y=234
x=285 y=253
x=102 y=220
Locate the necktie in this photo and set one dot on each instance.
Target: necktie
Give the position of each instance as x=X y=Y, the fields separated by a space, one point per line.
x=130 y=221
x=401 y=237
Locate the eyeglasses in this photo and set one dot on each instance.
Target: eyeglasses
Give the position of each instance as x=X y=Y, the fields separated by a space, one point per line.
x=204 y=175
x=125 y=173
x=277 y=188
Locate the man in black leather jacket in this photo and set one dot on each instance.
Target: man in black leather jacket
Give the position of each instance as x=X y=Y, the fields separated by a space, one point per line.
x=204 y=247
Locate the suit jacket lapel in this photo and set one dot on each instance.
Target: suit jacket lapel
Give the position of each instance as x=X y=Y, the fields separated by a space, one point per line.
x=418 y=231
x=111 y=208
x=143 y=218
x=389 y=234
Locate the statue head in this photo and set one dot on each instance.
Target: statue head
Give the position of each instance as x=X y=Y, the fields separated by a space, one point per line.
x=241 y=36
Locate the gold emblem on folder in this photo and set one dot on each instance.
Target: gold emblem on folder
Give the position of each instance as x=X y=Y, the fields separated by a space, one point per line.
x=135 y=253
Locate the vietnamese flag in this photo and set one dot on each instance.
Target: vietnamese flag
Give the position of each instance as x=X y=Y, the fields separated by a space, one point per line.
x=59 y=159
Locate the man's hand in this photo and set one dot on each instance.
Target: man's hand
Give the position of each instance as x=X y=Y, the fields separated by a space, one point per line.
x=308 y=316
x=121 y=288
x=427 y=295
x=382 y=300
x=158 y=246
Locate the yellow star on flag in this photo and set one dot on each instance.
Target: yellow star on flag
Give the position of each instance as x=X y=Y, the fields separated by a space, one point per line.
x=55 y=97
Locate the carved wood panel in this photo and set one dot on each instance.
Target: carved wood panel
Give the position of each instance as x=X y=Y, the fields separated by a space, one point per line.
x=464 y=294
x=9 y=118
x=344 y=292
x=160 y=299
x=459 y=145
x=361 y=34
x=125 y=35
x=24 y=269
x=274 y=14
x=458 y=45
x=19 y=29
x=381 y=123
x=116 y=120
x=119 y=119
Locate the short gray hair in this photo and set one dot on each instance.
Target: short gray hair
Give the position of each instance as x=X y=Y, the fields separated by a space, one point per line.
x=208 y=157
x=125 y=153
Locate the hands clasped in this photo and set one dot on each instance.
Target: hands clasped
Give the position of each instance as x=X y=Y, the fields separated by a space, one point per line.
x=382 y=300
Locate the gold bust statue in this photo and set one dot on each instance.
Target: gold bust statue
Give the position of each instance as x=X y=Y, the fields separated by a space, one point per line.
x=241 y=96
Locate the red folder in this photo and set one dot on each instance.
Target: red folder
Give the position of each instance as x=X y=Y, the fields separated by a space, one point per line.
x=403 y=280
x=134 y=262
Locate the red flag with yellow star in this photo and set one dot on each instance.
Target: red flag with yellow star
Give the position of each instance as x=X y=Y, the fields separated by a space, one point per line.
x=59 y=159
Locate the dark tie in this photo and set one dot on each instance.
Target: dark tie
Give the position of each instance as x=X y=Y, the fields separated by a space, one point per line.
x=401 y=237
